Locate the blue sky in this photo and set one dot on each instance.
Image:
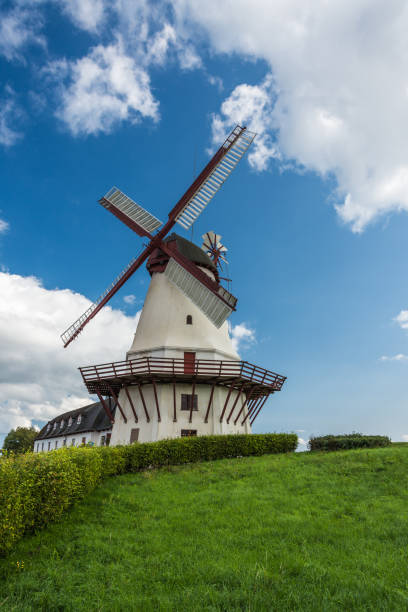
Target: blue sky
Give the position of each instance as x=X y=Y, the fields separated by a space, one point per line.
x=136 y=94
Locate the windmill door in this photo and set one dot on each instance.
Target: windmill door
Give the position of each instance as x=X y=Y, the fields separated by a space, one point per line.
x=189 y=363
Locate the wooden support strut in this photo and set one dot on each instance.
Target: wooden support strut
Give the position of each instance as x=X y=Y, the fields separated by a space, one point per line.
x=253 y=408
x=259 y=409
x=192 y=401
x=209 y=404
x=157 y=401
x=144 y=403
x=174 y=403
x=108 y=412
x=235 y=402
x=248 y=397
x=117 y=401
x=131 y=404
x=226 y=403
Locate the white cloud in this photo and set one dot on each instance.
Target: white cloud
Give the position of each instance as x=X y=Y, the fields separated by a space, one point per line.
x=398 y=357
x=102 y=89
x=402 y=319
x=251 y=106
x=38 y=377
x=86 y=14
x=405 y=437
x=129 y=299
x=19 y=27
x=302 y=444
x=242 y=336
x=4 y=226
x=338 y=102
x=9 y=115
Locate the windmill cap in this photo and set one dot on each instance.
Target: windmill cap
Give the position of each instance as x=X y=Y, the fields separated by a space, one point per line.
x=188 y=249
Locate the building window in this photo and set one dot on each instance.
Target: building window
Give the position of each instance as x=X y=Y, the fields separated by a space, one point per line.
x=188 y=432
x=64 y=442
x=189 y=320
x=48 y=426
x=84 y=440
x=42 y=446
x=56 y=443
x=62 y=424
x=73 y=442
x=186 y=402
x=108 y=438
x=49 y=445
x=55 y=425
x=38 y=446
x=70 y=422
x=79 y=419
x=134 y=435
x=103 y=439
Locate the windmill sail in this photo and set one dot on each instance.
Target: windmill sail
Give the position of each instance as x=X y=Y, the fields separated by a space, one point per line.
x=74 y=330
x=213 y=307
x=135 y=217
x=235 y=146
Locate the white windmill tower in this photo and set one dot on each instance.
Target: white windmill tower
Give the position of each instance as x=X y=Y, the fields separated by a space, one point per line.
x=181 y=375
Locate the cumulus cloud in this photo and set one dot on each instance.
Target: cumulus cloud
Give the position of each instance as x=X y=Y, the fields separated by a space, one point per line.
x=337 y=103
x=19 y=27
x=39 y=379
x=398 y=357
x=10 y=113
x=402 y=319
x=102 y=89
x=86 y=14
x=405 y=437
x=4 y=226
x=250 y=105
x=242 y=336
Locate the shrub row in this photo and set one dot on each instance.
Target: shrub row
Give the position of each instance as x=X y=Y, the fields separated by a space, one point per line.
x=37 y=488
x=347 y=441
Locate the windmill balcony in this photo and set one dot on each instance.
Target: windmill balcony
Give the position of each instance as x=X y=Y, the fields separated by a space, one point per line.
x=111 y=377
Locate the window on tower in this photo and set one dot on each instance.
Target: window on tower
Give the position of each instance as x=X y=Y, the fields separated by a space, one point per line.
x=189 y=320
x=186 y=402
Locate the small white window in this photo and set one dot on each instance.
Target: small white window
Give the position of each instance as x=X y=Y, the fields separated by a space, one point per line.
x=42 y=446
x=56 y=443
x=62 y=424
x=79 y=419
x=55 y=425
x=73 y=442
x=49 y=445
x=64 y=442
x=70 y=422
x=48 y=426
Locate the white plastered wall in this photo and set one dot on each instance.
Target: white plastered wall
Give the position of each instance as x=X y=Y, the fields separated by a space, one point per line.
x=167 y=427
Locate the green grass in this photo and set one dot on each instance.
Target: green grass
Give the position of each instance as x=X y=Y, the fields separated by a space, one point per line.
x=305 y=531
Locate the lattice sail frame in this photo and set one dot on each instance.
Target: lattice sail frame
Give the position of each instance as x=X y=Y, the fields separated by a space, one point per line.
x=215 y=309
x=185 y=212
x=241 y=139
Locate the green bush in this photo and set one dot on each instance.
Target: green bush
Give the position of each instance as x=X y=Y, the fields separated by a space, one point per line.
x=347 y=441
x=36 y=488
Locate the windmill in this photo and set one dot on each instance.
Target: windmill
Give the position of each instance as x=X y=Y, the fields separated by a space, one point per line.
x=182 y=374
x=206 y=293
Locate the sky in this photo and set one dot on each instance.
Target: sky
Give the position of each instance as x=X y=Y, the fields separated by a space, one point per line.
x=137 y=94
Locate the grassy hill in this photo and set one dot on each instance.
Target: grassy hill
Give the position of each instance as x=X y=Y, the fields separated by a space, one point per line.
x=293 y=532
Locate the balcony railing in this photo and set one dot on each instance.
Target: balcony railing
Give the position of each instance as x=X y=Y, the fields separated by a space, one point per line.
x=202 y=370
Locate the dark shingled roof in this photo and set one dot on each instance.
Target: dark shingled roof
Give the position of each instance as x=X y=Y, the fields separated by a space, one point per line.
x=192 y=252
x=94 y=418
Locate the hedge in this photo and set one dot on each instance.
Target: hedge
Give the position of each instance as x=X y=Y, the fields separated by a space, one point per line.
x=36 y=488
x=347 y=441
